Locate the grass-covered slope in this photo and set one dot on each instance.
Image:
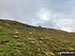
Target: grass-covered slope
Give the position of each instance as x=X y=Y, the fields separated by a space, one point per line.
x=17 y=40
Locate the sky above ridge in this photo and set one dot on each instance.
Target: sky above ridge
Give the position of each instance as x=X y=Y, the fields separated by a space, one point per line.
x=58 y=14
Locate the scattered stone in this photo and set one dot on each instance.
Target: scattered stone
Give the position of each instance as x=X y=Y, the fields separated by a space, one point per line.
x=46 y=53
x=41 y=38
x=40 y=41
x=38 y=49
x=39 y=55
x=70 y=34
x=16 y=31
x=15 y=36
x=19 y=44
x=71 y=48
x=40 y=26
x=31 y=39
x=30 y=33
x=33 y=42
x=28 y=28
x=51 y=53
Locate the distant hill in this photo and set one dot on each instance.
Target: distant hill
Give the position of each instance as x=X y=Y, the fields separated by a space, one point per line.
x=18 y=39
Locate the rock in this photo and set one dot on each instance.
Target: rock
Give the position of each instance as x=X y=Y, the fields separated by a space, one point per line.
x=40 y=41
x=46 y=53
x=39 y=55
x=28 y=28
x=38 y=49
x=19 y=44
x=41 y=38
x=16 y=31
x=51 y=53
x=30 y=33
x=15 y=36
x=33 y=42
x=31 y=39
x=71 y=48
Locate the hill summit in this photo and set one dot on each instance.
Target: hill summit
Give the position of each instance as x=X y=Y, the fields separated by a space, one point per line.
x=18 y=39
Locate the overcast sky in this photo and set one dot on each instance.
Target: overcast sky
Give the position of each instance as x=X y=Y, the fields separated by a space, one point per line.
x=58 y=14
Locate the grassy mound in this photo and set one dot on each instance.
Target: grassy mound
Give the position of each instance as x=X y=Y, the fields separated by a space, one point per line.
x=15 y=40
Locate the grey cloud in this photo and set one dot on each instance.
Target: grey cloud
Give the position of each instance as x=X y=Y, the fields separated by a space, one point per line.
x=58 y=14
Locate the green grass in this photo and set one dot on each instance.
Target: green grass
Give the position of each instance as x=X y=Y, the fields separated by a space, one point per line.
x=40 y=42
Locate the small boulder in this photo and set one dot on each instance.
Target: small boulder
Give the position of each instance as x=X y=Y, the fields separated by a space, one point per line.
x=30 y=32
x=15 y=36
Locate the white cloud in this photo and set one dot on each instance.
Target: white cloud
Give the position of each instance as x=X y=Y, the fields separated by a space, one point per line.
x=66 y=24
x=44 y=14
x=58 y=14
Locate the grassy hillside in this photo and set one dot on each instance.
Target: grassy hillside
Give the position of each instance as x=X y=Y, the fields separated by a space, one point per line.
x=17 y=40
